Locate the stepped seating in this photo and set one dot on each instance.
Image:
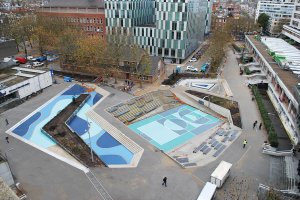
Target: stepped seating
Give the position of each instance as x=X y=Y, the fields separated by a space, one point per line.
x=121 y=111
x=112 y=109
x=167 y=93
x=189 y=164
x=232 y=136
x=218 y=146
x=221 y=148
x=220 y=132
x=225 y=139
x=138 y=106
x=204 y=147
x=182 y=160
x=206 y=150
x=130 y=102
x=214 y=143
x=199 y=147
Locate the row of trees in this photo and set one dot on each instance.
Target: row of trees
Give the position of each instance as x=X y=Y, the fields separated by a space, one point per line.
x=221 y=37
x=75 y=47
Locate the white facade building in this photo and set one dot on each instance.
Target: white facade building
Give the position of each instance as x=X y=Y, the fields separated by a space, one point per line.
x=293 y=30
x=271 y=54
x=277 y=10
x=23 y=83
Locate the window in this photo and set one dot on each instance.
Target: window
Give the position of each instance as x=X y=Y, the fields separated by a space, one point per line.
x=166 y=52
x=173 y=52
x=174 y=26
x=178 y=35
x=295 y=23
x=159 y=51
x=101 y=21
x=179 y=7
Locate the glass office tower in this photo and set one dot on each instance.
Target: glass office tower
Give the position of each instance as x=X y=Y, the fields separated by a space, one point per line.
x=171 y=29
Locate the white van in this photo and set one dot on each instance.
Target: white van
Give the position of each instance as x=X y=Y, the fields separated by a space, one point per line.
x=221 y=173
x=208 y=192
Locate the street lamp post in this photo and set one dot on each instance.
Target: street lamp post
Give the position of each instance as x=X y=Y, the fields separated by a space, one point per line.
x=88 y=130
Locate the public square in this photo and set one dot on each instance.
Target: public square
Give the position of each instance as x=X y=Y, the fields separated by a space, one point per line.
x=45 y=177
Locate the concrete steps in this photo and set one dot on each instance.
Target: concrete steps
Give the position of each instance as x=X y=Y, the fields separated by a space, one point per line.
x=290 y=172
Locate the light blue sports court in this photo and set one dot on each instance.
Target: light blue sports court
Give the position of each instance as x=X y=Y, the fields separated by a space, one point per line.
x=173 y=128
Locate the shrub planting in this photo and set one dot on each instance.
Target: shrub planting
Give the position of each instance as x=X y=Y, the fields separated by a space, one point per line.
x=272 y=136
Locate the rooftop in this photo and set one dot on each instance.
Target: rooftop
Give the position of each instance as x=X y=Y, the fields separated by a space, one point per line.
x=12 y=76
x=76 y=3
x=287 y=77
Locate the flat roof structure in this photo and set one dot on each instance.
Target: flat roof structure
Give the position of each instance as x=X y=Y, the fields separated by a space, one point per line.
x=287 y=77
x=221 y=170
x=15 y=75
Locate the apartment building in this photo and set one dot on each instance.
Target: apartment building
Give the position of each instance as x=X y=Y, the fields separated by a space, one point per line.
x=280 y=11
x=293 y=29
x=283 y=89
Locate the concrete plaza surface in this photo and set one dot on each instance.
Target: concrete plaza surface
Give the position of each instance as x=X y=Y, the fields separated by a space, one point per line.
x=45 y=177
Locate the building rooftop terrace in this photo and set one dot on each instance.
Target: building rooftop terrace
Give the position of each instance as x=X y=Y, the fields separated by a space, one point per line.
x=287 y=77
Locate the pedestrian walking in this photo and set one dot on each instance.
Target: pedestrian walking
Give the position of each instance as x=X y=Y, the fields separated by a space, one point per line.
x=164 y=181
x=244 y=143
x=6 y=138
x=6 y=122
x=260 y=125
x=254 y=124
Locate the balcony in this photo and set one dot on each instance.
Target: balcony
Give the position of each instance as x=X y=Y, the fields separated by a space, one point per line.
x=286 y=118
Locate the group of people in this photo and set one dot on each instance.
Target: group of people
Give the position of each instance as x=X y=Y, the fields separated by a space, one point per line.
x=128 y=85
x=254 y=126
x=255 y=123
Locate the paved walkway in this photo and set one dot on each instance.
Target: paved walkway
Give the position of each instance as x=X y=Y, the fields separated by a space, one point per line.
x=248 y=163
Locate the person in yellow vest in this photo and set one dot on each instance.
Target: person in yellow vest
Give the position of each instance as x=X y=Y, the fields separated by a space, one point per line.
x=244 y=143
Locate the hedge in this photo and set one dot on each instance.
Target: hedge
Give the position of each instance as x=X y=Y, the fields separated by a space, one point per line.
x=272 y=136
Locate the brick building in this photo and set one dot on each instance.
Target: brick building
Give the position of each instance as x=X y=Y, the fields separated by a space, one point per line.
x=86 y=14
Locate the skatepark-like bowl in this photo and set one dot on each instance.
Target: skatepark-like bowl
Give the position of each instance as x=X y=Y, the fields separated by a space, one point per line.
x=108 y=149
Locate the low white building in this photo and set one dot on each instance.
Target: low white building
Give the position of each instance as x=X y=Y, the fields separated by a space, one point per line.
x=19 y=83
x=279 y=63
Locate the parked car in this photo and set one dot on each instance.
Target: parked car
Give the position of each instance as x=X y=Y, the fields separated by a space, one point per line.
x=193 y=60
x=191 y=68
x=37 y=64
x=16 y=62
x=41 y=58
x=52 y=58
x=28 y=66
x=30 y=58
x=204 y=67
x=22 y=60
